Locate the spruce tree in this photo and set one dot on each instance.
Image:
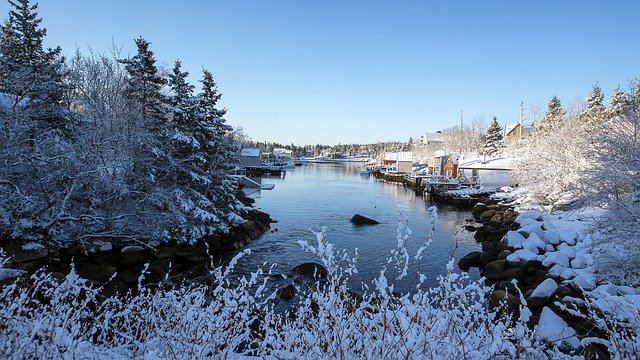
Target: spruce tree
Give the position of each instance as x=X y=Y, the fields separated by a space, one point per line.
x=493 y=142
x=552 y=117
x=216 y=142
x=28 y=70
x=620 y=104
x=595 y=113
x=145 y=86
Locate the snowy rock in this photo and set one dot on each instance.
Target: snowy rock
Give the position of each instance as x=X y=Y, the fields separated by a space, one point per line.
x=578 y=263
x=556 y=270
x=530 y=244
x=33 y=246
x=589 y=259
x=521 y=255
x=568 y=274
x=607 y=288
x=132 y=249
x=533 y=229
x=542 y=293
x=537 y=241
x=529 y=215
x=585 y=281
x=549 y=248
x=552 y=328
x=514 y=239
x=568 y=237
x=7 y=273
x=546 y=289
x=556 y=258
x=571 y=299
x=568 y=250
x=627 y=290
x=552 y=237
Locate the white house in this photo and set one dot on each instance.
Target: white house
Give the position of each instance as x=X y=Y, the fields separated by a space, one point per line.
x=434 y=140
x=249 y=157
x=403 y=160
x=491 y=172
x=282 y=154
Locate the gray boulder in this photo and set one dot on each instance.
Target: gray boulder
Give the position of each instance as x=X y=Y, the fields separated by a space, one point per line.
x=358 y=219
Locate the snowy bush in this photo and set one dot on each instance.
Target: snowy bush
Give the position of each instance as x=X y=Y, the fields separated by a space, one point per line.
x=94 y=150
x=237 y=317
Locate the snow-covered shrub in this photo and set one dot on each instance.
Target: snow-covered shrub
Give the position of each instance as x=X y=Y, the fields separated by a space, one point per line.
x=615 y=244
x=237 y=317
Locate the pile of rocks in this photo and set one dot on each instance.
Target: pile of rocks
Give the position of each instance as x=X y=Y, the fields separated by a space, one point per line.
x=120 y=267
x=526 y=258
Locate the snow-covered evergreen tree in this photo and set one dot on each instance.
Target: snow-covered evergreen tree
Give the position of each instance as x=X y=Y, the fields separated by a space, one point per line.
x=216 y=141
x=145 y=86
x=620 y=104
x=493 y=141
x=29 y=71
x=552 y=117
x=595 y=114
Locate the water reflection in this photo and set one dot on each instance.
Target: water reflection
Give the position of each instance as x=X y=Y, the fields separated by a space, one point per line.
x=327 y=195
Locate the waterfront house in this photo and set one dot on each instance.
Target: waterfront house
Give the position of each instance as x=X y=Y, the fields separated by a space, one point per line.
x=249 y=157
x=283 y=154
x=513 y=132
x=488 y=172
x=436 y=166
x=402 y=161
x=450 y=166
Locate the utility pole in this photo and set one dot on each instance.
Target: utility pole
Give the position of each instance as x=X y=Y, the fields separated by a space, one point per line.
x=461 y=116
x=521 y=117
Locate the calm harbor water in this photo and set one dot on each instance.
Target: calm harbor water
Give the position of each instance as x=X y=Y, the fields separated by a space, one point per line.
x=314 y=196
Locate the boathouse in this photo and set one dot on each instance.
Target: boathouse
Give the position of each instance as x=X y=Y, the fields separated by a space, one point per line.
x=249 y=157
x=491 y=172
x=402 y=161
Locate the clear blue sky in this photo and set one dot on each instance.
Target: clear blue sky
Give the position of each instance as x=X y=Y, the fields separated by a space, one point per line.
x=330 y=72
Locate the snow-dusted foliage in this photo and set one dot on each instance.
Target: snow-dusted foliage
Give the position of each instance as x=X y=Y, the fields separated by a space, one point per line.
x=552 y=118
x=552 y=164
x=493 y=142
x=92 y=149
x=617 y=179
x=236 y=317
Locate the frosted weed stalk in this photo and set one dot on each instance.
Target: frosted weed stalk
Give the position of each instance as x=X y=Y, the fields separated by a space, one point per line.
x=237 y=317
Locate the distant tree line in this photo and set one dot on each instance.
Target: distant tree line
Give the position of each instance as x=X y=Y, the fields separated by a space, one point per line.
x=102 y=147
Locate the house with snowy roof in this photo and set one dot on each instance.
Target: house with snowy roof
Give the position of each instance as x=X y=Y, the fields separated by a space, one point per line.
x=249 y=157
x=434 y=140
x=282 y=154
x=490 y=172
x=402 y=160
x=513 y=132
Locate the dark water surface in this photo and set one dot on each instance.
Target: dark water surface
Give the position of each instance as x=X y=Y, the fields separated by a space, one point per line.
x=327 y=195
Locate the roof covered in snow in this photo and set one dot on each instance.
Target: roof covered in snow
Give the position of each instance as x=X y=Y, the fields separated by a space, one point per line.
x=487 y=164
x=398 y=156
x=508 y=128
x=250 y=152
x=432 y=137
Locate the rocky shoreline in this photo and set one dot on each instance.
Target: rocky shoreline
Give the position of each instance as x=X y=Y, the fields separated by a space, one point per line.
x=501 y=263
x=119 y=268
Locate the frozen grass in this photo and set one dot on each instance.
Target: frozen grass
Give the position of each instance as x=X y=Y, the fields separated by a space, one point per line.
x=236 y=318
